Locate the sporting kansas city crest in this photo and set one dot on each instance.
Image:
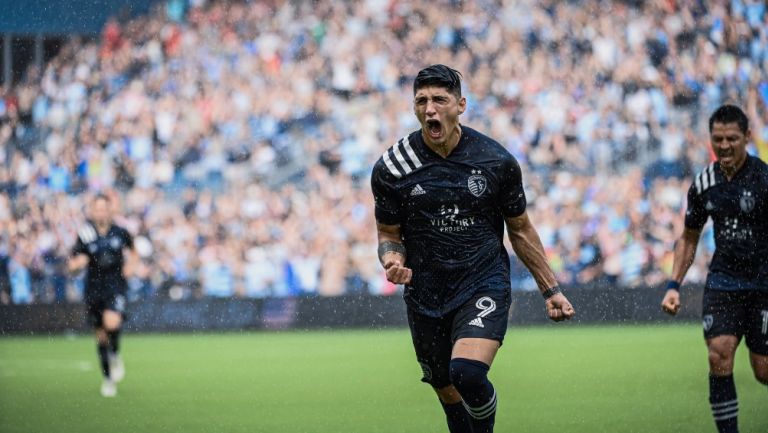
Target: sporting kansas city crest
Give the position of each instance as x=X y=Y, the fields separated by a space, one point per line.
x=477 y=183
x=747 y=201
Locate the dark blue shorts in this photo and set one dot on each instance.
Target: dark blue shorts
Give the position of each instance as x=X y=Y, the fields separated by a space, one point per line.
x=484 y=315
x=108 y=301
x=742 y=313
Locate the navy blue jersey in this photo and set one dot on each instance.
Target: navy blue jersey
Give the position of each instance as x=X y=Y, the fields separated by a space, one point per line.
x=739 y=211
x=451 y=215
x=104 y=275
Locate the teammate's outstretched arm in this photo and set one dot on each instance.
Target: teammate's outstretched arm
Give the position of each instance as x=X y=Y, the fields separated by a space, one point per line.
x=392 y=254
x=527 y=245
x=685 y=252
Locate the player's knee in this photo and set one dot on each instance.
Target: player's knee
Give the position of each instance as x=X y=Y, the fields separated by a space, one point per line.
x=761 y=374
x=468 y=373
x=111 y=321
x=762 y=377
x=720 y=361
x=448 y=394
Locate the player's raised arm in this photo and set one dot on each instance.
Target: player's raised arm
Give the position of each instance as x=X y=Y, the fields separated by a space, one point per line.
x=685 y=252
x=527 y=245
x=392 y=253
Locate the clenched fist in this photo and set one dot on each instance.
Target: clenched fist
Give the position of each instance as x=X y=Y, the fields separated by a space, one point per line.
x=396 y=272
x=671 y=302
x=558 y=308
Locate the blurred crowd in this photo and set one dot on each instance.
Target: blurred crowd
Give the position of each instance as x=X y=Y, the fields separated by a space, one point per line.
x=237 y=137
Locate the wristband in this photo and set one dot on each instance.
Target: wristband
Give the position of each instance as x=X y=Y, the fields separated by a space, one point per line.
x=673 y=285
x=551 y=292
x=389 y=246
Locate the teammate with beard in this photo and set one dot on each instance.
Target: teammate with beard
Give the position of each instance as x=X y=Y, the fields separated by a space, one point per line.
x=733 y=191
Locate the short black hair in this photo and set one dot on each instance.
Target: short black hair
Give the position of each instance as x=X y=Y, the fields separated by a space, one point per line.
x=730 y=114
x=439 y=76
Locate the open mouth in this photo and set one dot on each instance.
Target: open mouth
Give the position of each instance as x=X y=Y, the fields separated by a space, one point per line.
x=725 y=157
x=434 y=128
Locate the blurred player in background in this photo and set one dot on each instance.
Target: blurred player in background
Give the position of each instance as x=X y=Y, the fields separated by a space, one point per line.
x=443 y=195
x=734 y=192
x=103 y=247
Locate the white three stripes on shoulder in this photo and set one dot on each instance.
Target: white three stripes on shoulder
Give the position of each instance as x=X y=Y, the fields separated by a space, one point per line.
x=400 y=159
x=696 y=181
x=705 y=179
x=408 y=165
x=391 y=166
x=87 y=234
x=410 y=152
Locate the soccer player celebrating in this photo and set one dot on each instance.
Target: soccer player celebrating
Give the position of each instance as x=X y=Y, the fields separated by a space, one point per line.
x=734 y=192
x=102 y=247
x=443 y=195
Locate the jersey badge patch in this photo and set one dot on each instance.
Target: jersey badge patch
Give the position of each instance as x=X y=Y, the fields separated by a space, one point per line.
x=747 y=201
x=477 y=183
x=115 y=242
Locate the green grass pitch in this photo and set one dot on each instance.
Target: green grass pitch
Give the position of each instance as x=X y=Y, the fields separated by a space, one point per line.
x=572 y=378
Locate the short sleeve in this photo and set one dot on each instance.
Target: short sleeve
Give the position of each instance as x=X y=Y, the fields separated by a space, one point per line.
x=511 y=194
x=85 y=234
x=79 y=248
x=696 y=214
x=385 y=196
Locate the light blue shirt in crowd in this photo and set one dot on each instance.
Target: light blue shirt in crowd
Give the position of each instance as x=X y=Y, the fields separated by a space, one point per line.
x=21 y=284
x=217 y=280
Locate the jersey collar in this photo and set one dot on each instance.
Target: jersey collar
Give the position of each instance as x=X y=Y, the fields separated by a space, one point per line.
x=427 y=152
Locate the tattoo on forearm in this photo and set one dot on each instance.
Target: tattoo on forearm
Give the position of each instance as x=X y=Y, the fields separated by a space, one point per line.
x=390 y=246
